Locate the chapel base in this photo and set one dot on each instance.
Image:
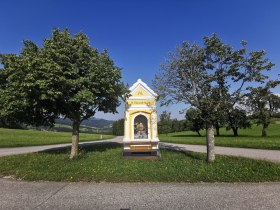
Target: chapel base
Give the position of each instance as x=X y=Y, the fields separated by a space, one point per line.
x=148 y=155
x=141 y=149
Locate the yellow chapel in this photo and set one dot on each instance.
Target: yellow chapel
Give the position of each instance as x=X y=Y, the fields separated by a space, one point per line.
x=140 y=122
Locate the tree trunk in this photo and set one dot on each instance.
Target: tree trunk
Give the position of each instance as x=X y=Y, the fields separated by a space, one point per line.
x=235 y=131
x=210 y=142
x=75 y=139
x=198 y=133
x=217 y=129
x=264 y=130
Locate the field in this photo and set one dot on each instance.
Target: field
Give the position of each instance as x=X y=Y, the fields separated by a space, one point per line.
x=105 y=163
x=19 y=138
x=248 y=138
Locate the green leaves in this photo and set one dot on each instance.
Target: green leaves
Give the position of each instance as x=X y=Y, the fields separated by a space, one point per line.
x=211 y=78
x=65 y=77
x=194 y=120
x=165 y=123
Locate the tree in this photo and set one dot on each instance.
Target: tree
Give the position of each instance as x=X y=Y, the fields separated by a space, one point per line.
x=182 y=125
x=5 y=120
x=165 y=123
x=26 y=94
x=203 y=77
x=175 y=124
x=194 y=120
x=237 y=118
x=118 y=127
x=220 y=119
x=66 y=77
x=263 y=104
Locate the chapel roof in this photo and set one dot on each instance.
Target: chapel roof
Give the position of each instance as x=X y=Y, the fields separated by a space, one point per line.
x=142 y=85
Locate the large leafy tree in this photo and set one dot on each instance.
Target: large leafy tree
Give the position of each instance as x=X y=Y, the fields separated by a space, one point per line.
x=209 y=78
x=66 y=77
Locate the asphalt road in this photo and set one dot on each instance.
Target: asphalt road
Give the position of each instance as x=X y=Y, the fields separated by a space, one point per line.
x=54 y=195
x=58 y=195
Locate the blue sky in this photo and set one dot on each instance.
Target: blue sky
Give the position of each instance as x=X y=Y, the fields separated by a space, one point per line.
x=139 y=34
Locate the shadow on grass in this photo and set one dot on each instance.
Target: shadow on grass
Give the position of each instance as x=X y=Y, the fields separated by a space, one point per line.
x=85 y=148
x=104 y=146
x=183 y=151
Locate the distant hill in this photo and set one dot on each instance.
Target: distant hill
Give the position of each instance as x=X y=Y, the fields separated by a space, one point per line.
x=91 y=122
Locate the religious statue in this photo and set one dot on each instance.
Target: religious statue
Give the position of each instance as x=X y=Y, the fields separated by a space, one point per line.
x=140 y=131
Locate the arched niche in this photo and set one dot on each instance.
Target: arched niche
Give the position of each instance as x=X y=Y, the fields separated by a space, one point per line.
x=141 y=127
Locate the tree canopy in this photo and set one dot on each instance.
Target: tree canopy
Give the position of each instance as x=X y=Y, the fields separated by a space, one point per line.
x=210 y=78
x=65 y=77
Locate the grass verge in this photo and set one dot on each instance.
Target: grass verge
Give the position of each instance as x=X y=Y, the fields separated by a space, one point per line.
x=105 y=163
x=20 y=138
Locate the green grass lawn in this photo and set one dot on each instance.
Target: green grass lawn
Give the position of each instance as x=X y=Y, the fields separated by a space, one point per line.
x=19 y=138
x=248 y=138
x=105 y=163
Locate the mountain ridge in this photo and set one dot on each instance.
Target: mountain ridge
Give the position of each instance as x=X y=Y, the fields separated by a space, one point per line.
x=91 y=122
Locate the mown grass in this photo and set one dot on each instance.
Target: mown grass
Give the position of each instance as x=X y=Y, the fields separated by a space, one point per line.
x=105 y=163
x=248 y=138
x=19 y=138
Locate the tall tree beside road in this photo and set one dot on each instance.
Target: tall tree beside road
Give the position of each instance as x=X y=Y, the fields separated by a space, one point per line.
x=209 y=78
x=66 y=77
